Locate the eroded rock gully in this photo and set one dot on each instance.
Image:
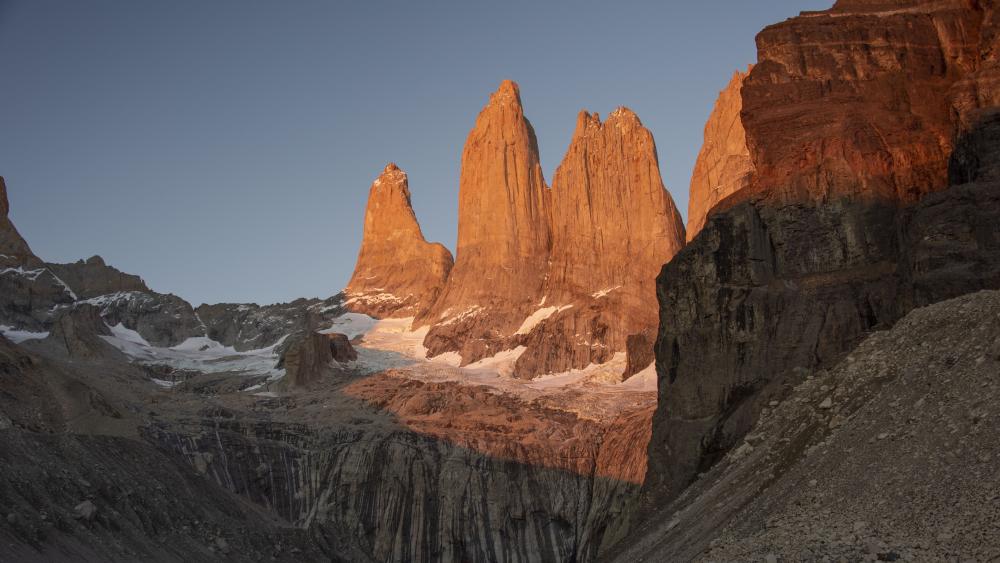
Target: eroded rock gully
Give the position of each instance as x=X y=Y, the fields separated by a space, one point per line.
x=422 y=471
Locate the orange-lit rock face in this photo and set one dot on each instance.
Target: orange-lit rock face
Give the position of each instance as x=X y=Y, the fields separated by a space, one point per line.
x=505 y=427
x=503 y=238
x=854 y=102
x=613 y=227
x=398 y=272
x=613 y=223
x=568 y=272
x=723 y=166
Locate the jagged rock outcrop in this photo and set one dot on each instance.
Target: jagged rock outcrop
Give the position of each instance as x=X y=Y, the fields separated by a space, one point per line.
x=398 y=273
x=93 y=277
x=309 y=358
x=723 y=166
x=503 y=235
x=78 y=331
x=248 y=326
x=565 y=273
x=822 y=248
x=161 y=319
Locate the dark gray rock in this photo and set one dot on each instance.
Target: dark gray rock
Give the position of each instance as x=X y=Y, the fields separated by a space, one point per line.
x=92 y=277
x=78 y=331
x=252 y=326
x=765 y=294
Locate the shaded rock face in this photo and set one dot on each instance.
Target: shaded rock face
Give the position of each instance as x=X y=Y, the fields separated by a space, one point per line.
x=248 y=326
x=904 y=420
x=79 y=329
x=503 y=234
x=426 y=471
x=564 y=272
x=766 y=293
x=309 y=358
x=398 y=273
x=162 y=319
x=93 y=277
x=13 y=248
x=639 y=352
x=29 y=292
x=723 y=166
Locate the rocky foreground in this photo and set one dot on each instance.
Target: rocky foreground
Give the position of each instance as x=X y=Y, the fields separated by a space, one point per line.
x=890 y=455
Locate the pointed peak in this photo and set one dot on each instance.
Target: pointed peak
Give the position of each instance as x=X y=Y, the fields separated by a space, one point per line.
x=391 y=173
x=622 y=113
x=509 y=93
x=586 y=121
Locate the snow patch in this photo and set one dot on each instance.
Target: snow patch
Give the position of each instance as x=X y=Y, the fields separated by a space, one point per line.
x=538 y=316
x=197 y=354
x=351 y=324
x=502 y=363
x=645 y=380
x=19 y=336
x=122 y=332
x=604 y=292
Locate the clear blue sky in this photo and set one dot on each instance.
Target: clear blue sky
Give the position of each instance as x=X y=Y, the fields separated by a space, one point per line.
x=223 y=150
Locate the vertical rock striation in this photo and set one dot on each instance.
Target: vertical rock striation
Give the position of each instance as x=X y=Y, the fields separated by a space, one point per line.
x=565 y=274
x=723 y=166
x=398 y=272
x=503 y=235
x=855 y=119
x=613 y=227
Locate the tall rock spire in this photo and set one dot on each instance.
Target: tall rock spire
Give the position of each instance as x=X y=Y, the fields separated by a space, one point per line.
x=503 y=234
x=398 y=273
x=613 y=227
x=723 y=166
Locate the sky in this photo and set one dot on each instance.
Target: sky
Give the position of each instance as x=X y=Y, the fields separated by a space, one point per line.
x=224 y=150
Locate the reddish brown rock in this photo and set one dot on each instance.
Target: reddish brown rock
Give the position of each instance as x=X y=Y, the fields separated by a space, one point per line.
x=851 y=116
x=398 y=272
x=567 y=273
x=853 y=102
x=613 y=227
x=503 y=234
x=723 y=166
x=13 y=248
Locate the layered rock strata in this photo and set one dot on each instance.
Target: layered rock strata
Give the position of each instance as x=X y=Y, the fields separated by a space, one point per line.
x=827 y=244
x=398 y=273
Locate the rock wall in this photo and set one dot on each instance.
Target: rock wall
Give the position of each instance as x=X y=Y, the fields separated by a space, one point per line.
x=823 y=247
